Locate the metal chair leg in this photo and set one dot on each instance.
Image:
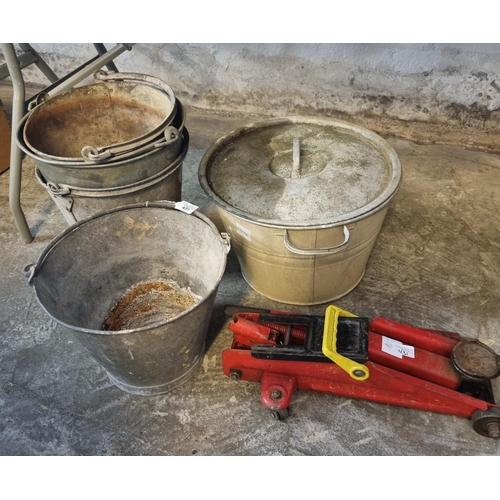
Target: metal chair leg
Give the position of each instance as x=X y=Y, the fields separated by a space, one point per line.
x=18 y=109
x=40 y=63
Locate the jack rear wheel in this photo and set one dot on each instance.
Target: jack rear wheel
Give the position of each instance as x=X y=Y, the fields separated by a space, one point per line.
x=487 y=422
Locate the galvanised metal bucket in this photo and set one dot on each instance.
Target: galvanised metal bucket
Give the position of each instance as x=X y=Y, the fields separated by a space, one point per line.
x=88 y=268
x=118 y=113
x=77 y=203
x=118 y=170
x=303 y=200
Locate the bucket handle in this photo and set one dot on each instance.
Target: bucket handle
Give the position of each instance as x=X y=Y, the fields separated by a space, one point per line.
x=30 y=270
x=101 y=75
x=317 y=251
x=95 y=154
x=224 y=237
x=90 y=153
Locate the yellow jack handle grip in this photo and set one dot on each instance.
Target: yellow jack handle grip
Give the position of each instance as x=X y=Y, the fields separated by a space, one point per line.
x=356 y=370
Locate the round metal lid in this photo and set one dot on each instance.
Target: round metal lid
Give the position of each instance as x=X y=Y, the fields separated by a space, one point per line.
x=300 y=172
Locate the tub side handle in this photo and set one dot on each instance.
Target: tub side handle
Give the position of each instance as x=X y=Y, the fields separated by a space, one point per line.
x=317 y=251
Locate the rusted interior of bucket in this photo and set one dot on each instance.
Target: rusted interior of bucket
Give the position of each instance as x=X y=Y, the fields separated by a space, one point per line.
x=149 y=303
x=127 y=263
x=96 y=115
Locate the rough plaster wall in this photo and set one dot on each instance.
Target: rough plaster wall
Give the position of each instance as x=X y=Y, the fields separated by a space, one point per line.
x=426 y=92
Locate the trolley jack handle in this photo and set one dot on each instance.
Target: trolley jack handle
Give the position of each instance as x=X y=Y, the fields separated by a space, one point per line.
x=356 y=370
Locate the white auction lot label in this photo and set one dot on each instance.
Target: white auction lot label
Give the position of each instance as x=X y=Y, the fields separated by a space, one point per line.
x=185 y=206
x=397 y=348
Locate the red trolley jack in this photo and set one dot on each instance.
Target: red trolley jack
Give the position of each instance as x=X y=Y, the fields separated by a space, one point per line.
x=379 y=360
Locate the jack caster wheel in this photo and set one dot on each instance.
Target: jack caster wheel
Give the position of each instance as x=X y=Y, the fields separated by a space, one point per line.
x=487 y=423
x=280 y=414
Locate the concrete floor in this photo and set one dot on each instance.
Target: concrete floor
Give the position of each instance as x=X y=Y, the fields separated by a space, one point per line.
x=436 y=264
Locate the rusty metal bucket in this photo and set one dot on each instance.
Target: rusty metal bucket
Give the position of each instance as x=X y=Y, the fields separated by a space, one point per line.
x=87 y=270
x=118 y=170
x=119 y=113
x=76 y=203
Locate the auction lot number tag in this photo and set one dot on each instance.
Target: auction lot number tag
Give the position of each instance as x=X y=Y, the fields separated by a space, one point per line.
x=397 y=348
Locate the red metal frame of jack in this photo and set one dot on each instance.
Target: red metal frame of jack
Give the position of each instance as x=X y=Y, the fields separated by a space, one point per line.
x=428 y=381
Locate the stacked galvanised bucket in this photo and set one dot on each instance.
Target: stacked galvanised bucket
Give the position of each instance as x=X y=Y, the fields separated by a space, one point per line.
x=110 y=155
x=118 y=141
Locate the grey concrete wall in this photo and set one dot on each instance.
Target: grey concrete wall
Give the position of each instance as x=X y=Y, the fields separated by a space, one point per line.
x=425 y=92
